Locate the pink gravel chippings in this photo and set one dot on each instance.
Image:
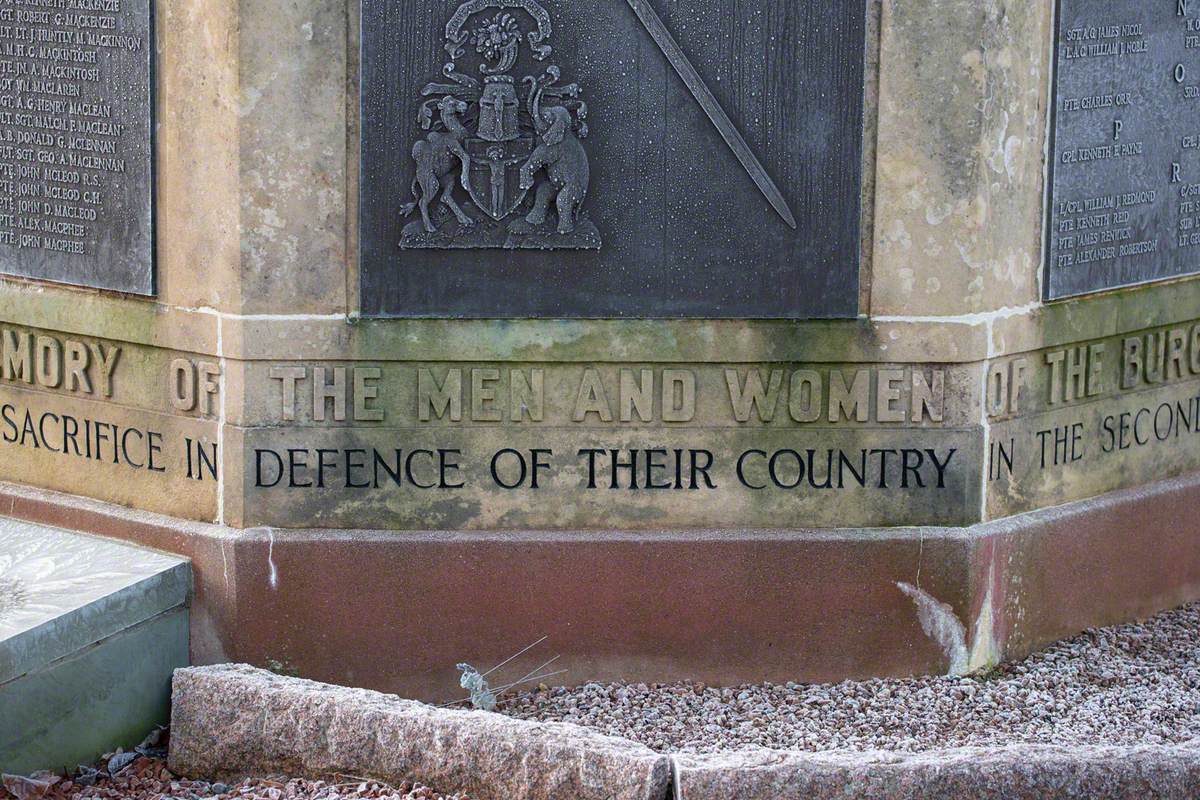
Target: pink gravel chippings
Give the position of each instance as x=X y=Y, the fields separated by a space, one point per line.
x=149 y=779
x=1127 y=685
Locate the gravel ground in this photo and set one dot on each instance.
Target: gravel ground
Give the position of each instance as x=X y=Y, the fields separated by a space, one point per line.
x=1132 y=684
x=131 y=776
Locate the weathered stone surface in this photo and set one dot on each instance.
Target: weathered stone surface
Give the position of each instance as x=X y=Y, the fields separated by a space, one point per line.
x=292 y=156
x=235 y=720
x=60 y=592
x=834 y=478
x=252 y=156
x=197 y=192
x=149 y=468
x=257 y=195
x=1011 y=773
x=1089 y=417
x=959 y=173
x=114 y=419
x=109 y=317
x=552 y=341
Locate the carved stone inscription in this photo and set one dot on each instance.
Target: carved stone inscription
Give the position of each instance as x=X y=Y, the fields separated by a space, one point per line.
x=1085 y=418
x=632 y=158
x=489 y=445
x=119 y=422
x=75 y=142
x=1124 y=205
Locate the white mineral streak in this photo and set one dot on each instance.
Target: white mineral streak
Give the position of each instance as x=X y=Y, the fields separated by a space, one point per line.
x=940 y=624
x=273 y=574
x=985 y=651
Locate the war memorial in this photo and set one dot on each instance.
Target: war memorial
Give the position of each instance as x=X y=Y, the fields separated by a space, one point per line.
x=769 y=340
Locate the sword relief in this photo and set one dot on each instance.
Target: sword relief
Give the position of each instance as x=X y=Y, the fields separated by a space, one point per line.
x=711 y=107
x=519 y=159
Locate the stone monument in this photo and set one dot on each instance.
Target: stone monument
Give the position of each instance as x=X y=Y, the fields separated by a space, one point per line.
x=771 y=340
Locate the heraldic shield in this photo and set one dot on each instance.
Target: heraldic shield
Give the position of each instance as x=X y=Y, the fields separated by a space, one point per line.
x=516 y=149
x=495 y=177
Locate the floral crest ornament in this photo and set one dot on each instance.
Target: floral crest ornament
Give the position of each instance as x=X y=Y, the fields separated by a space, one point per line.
x=498 y=40
x=513 y=141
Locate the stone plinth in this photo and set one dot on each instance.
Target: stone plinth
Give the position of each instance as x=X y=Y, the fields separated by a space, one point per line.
x=666 y=487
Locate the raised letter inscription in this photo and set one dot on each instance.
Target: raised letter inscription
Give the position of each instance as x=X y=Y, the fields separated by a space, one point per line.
x=75 y=142
x=1124 y=203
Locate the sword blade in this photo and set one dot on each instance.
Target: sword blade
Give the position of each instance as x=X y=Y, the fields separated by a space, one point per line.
x=712 y=107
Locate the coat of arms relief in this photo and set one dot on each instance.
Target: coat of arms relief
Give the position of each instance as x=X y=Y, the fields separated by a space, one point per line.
x=503 y=162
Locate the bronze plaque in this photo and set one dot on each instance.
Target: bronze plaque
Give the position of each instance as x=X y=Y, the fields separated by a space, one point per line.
x=625 y=158
x=1124 y=200
x=76 y=146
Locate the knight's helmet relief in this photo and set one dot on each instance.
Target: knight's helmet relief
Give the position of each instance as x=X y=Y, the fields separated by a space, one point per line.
x=502 y=163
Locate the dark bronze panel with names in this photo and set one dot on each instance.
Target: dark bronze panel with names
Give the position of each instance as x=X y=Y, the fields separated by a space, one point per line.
x=611 y=158
x=76 y=142
x=1124 y=200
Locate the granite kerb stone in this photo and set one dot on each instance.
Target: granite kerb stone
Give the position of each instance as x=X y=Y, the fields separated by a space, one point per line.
x=1012 y=772
x=232 y=721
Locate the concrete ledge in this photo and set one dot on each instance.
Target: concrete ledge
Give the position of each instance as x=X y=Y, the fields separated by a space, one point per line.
x=230 y=721
x=90 y=631
x=107 y=695
x=77 y=590
x=1020 y=772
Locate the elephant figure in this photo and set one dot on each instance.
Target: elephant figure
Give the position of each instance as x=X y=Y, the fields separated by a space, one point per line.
x=565 y=161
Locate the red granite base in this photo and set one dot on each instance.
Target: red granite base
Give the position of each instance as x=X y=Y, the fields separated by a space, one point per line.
x=398 y=611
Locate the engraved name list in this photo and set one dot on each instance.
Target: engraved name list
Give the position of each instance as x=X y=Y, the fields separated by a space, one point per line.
x=75 y=142
x=1125 y=179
